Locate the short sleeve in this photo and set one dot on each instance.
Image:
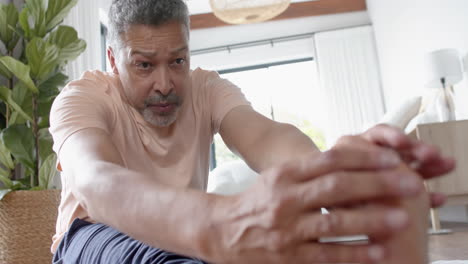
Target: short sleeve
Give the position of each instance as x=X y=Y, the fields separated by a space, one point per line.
x=85 y=103
x=224 y=96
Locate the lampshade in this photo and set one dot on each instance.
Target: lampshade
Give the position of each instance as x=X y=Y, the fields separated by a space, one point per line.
x=444 y=63
x=247 y=11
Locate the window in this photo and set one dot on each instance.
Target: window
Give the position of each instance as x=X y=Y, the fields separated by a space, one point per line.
x=104 y=62
x=286 y=92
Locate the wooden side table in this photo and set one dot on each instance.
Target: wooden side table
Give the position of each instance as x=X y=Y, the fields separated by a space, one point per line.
x=452 y=139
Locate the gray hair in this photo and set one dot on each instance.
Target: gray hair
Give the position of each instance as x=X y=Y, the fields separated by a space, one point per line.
x=124 y=13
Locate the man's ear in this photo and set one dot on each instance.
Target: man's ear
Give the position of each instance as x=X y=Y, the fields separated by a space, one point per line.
x=111 y=57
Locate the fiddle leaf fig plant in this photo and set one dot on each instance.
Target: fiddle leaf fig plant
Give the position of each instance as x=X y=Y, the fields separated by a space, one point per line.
x=34 y=49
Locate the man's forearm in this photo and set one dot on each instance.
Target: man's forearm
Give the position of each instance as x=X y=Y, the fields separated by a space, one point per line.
x=170 y=218
x=283 y=142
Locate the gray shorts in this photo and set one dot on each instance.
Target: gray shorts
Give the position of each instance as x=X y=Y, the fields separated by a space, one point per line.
x=89 y=243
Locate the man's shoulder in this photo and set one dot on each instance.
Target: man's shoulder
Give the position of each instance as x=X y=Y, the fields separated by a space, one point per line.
x=201 y=77
x=93 y=88
x=95 y=82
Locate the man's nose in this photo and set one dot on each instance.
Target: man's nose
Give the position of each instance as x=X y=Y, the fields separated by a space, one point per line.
x=162 y=81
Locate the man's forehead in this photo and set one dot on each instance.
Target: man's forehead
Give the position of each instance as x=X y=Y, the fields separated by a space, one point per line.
x=148 y=40
x=153 y=33
x=153 y=52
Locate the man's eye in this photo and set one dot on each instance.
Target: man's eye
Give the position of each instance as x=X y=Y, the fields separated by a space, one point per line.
x=180 y=61
x=144 y=65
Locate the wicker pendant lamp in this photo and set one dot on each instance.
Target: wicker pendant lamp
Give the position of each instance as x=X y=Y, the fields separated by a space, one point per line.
x=247 y=11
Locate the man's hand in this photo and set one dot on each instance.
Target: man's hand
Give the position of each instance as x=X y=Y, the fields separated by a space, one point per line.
x=410 y=245
x=278 y=219
x=423 y=158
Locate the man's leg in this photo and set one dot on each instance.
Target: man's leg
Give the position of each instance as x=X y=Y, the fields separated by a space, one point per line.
x=98 y=243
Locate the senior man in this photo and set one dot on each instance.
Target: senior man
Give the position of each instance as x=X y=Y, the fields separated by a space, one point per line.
x=133 y=146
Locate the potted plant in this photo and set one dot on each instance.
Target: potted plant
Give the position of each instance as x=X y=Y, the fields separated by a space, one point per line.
x=34 y=48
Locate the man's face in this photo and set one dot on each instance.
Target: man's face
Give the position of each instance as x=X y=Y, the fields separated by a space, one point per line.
x=153 y=65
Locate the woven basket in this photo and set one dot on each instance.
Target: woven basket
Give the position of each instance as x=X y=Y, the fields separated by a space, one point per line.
x=27 y=224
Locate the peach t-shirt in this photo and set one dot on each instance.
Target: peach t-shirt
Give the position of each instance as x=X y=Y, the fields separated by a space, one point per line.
x=180 y=159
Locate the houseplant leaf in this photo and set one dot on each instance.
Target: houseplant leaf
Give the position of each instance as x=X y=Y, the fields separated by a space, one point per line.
x=23 y=97
x=5 y=156
x=3 y=193
x=50 y=88
x=5 y=95
x=15 y=38
x=44 y=112
x=45 y=143
x=47 y=171
x=66 y=38
x=42 y=58
x=4 y=71
x=8 y=19
x=20 y=70
x=7 y=183
x=57 y=10
x=35 y=11
x=24 y=22
x=19 y=139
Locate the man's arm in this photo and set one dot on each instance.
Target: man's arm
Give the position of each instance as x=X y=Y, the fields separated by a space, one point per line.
x=261 y=142
x=239 y=229
x=136 y=204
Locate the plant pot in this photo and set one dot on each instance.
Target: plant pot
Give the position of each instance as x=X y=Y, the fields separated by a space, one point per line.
x=27 y=224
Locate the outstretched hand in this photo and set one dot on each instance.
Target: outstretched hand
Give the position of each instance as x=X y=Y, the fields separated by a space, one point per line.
x=422 y=157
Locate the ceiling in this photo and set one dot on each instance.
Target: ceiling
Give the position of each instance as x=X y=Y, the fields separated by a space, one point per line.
x=195 y=6
x=203 y=6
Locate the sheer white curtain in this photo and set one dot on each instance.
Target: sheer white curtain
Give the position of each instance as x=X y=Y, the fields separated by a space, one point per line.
x=350 y=81
x=84 y=17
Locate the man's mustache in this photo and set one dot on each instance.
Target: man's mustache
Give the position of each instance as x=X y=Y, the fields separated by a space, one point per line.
x=163 y=99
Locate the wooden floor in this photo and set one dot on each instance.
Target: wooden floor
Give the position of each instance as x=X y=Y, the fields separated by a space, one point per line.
x=452 y=246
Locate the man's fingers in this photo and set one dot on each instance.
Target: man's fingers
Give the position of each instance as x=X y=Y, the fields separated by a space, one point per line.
x=343 y=158
x=436 y=168
x=331 y=253
x=378 y=221
x=428 y=159
x=350 y=187
x=437 y=199
x=388 y=136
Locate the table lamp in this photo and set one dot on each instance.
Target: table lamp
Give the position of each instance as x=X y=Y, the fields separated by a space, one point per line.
x=444 y=70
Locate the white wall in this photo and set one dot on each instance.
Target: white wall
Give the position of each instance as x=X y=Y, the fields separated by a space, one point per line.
x=281 y=51
x=405 y=31
x=220 y=36
x=84 y=17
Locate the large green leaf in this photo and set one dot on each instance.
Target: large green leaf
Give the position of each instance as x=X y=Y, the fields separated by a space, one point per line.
x=66 y=38
x=50 y=88
x=4 y=70
x=44 y=112
x=5 y=156
x=45 y=143
x=14 y=41
x=19 y=139
x=4 y=178
x=47 y=171
x=3 y=193
x=57 y=10
x=42 y=58
x=8 y=20
x=20 y=70
x=24 y=22
x=5 y=95
x=36 y=14
x=23 y=97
